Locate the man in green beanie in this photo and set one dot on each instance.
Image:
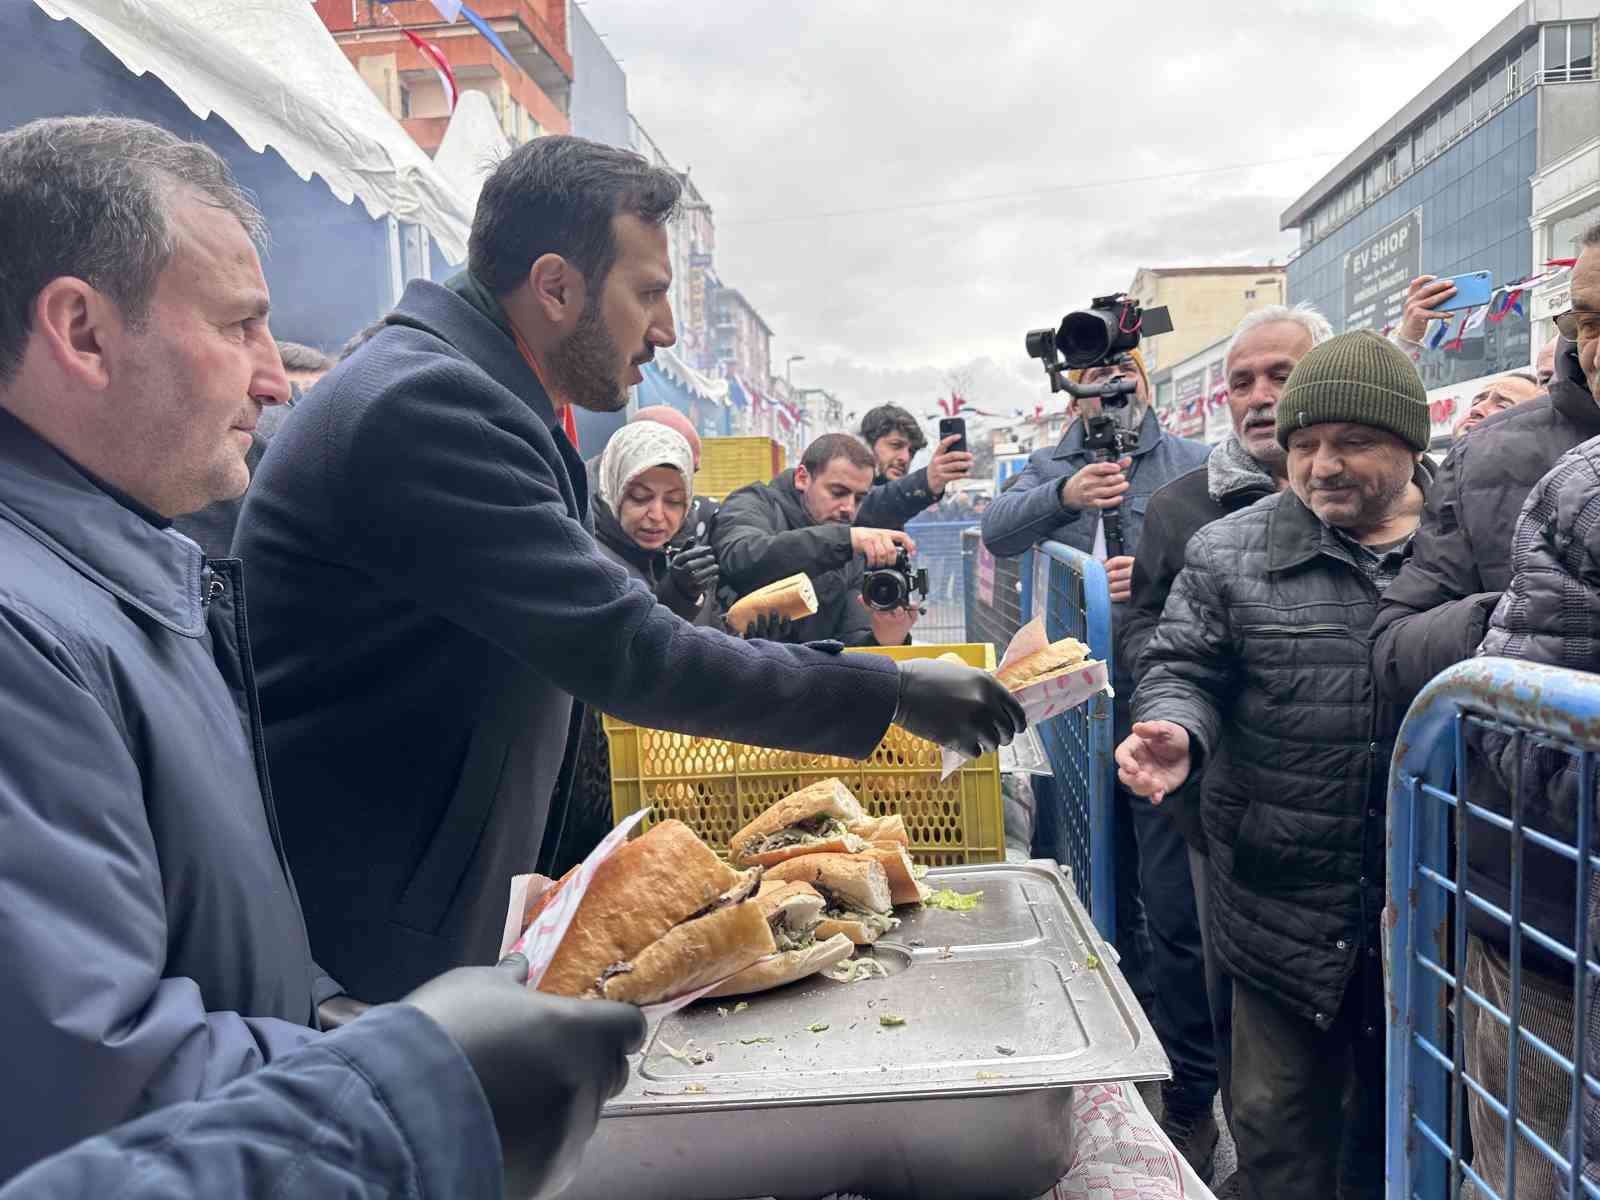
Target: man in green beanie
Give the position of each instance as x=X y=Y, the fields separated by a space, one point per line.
x=1259 y=669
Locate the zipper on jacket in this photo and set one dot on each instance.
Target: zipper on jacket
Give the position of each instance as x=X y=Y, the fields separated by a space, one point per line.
x=211 y=587
x=1297 y=630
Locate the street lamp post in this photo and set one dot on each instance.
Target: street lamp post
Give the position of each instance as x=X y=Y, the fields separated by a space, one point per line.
x=788 y=367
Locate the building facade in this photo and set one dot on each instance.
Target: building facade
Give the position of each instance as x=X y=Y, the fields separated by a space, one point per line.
x=1446 y=187
x=1205 y=303
x=1566 y=202
x=530 y=98
x=1190 y=396
x=741 y=340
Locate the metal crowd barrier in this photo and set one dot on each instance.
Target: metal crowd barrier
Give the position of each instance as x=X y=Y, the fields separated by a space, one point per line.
x=1550 y=717
x=939 y=550
x=997 y=592
x=1074 y=806
x=1071 y=588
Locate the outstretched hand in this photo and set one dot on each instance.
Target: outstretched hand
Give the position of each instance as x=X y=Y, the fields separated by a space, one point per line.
x=1153 y=760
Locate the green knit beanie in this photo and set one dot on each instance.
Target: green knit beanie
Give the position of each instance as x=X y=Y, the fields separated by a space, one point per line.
x=1361 y=378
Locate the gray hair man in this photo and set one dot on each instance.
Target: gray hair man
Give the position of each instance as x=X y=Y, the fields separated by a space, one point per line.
x=1242 y=469
x=153 y=939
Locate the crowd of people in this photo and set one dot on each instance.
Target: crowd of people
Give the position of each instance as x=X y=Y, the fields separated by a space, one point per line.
x=1280 y=598
x=257 y=856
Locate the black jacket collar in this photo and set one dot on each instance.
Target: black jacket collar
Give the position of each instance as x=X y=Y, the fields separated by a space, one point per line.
x=1569 y=390
x=788 y=499
x=456 y=319
x=155 y=570
x=1296 y=535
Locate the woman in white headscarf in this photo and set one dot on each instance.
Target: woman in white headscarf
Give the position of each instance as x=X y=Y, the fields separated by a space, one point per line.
x=646 y=486
x=646 y=481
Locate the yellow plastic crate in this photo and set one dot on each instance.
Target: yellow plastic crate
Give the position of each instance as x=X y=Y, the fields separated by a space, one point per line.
x=717 y=788
x=728 y=463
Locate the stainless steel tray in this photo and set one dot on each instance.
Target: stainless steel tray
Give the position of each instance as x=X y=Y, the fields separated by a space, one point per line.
x=970 y=1098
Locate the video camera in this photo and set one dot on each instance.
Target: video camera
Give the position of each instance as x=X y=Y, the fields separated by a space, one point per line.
x=1105 y=331
x=889 y=588
x=1099 y=335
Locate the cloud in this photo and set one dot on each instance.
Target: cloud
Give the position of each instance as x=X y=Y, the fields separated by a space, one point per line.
x=789 y=112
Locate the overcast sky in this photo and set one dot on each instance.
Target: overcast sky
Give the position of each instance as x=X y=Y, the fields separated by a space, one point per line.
x=852 y=152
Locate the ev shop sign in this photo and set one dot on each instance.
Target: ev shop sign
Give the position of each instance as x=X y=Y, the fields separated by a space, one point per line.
x=1377 y=271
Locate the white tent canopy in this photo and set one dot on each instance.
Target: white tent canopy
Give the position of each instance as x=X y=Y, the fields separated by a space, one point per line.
x=473 y=144
x=273 y=72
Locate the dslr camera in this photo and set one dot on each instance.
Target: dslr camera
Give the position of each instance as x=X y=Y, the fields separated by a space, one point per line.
x=888 y=588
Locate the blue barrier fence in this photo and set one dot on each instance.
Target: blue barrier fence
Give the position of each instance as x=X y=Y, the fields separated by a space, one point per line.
x=939 y=551
x=1071 y=588
x=998 y=592
x=1481 y=753
x=1075 y=809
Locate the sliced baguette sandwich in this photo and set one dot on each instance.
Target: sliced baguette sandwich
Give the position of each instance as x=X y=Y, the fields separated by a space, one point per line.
x=814 y=820
x=1055 y=659
x=793 y=910
x=662 y=916
x=793 y=597
x=856 y=888
x=904 y=886
x=882 y=829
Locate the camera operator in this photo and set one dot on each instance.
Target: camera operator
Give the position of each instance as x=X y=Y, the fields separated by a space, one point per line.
x=1061 y=496
x=898 y=493
x=801 y=523
x=1062 y=492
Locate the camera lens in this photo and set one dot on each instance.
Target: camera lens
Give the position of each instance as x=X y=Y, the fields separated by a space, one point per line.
x=884 y=590
x=1086 y=338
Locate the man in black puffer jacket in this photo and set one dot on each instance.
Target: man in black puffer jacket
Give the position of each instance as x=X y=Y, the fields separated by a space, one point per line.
x=1436 y=613
x=1173 y=865
x=1548 y=614
x=1259 y=675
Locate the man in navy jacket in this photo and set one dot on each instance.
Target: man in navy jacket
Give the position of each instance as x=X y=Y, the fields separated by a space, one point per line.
x=430 y=600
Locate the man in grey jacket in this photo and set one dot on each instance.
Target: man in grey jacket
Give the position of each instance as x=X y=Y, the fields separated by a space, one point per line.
x=151 y=932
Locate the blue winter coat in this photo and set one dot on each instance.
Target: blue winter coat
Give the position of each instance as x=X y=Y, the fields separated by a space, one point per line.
x=382 y=1109
x=428 y=600
x=1030 y=511
x=152 y=945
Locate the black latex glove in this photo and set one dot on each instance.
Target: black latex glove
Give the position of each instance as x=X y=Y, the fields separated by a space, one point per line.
x=770 y=627
x=546 y=1064
x=956 y=706
x=693 y=571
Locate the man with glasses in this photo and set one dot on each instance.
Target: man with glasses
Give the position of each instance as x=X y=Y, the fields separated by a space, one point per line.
x=1435 y=614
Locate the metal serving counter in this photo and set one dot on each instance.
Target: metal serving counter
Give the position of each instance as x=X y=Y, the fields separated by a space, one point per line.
x=965 y=1091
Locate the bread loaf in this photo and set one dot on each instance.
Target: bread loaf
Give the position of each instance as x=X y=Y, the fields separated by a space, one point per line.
x=793 y=597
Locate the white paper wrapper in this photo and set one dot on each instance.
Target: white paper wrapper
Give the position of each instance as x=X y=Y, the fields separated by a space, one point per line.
x=1047 y=698
x=540 y=940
